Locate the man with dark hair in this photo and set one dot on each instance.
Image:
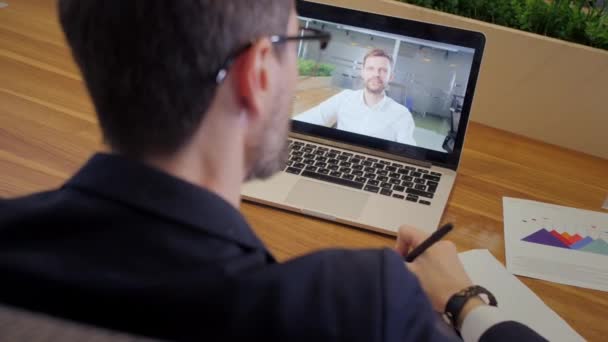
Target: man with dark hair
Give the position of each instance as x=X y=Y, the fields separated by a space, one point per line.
x=368 y=111
x=193 y=98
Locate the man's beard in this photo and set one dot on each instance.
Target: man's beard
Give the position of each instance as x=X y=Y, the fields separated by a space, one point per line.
x=378 y=90
x=271 y=151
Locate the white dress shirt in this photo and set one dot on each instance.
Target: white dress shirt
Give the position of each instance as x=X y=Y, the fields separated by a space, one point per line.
x=386 y=120
x=480 y=320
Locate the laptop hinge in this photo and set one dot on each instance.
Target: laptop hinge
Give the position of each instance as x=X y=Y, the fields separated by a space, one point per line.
x=360 y=149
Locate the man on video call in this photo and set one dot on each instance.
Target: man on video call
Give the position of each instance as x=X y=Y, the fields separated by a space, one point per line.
x=193 y=98
x=368 y=111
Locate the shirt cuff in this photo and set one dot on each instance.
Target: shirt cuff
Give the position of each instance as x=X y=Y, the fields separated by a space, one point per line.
x=478 y=321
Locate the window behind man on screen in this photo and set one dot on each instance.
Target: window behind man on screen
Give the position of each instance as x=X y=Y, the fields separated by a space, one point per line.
x=382 y=85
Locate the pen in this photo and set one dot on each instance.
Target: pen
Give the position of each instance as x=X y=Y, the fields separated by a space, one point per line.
x=436 y=236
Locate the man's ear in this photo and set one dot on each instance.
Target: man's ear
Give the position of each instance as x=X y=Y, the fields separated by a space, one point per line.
x=252 y=73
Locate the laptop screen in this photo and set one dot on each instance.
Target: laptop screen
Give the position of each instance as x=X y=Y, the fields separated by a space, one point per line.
x=392 y=85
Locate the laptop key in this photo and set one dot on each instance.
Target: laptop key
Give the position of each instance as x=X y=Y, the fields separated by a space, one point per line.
x=379 y=166
x=416 y=174
x=399 y=188
x=355 y=160
x=373 y=160
x=385 y=162
x=407 y=178
x=398 y=196
x=407 y=184
x=323 y=171
x=311 y=168
x=411 y=168
x=411 y=199
x=425 y=202
x=370 y=175
x=419 y=181
x=436 y=174
x=333 y=161
x=347 y=154
x=432 y=178
x=293 y=170
x=309 y=162
x=399 y=166
x=346 y=164
x=345 y=170
x=357 y=173
x=357 y=167
x=386 y=192
x=299 y=165
x=369 y=169
x=371 y=188
x=382 y=173
x=382 y=178
x=423 y=171
x=390 y=169
x=419 y=193
x=349 y=177
x=289 y=163
x=420 y=187
x=386 y=185
x=335 y=174
x=333 y=167
x=394 y=181
x=432 y=189
x=309 y=156
x=361 y=179
x=367 y=163
x=321 y=159
x=342 y=157
x=404 y=171
x=331 y=155
x=431 y=183
x=321 y=164
x=334 y=180
x=373 y=182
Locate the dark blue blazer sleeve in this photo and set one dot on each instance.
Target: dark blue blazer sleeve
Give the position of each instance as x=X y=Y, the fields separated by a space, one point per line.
x=336 y=295
x=510 y=331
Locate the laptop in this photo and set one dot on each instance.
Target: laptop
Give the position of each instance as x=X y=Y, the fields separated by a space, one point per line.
x=379 y=123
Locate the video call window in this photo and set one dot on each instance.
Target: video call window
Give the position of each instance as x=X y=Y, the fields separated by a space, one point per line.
x=409 y=90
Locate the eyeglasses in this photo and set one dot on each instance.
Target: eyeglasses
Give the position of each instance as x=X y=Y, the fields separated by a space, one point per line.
x=305 y=34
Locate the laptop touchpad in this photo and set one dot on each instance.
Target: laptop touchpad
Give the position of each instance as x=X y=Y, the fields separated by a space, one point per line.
x=327 y=198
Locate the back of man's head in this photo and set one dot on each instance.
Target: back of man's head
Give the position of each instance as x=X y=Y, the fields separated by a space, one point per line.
x=150 y=65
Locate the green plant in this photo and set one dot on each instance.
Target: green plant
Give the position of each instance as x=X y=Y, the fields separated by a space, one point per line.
x=308 y=67
x=577 y=21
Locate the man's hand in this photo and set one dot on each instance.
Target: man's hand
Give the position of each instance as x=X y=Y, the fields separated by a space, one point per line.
x=438 y=269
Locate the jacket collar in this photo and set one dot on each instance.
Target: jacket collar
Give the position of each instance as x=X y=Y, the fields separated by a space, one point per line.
x=144 y=187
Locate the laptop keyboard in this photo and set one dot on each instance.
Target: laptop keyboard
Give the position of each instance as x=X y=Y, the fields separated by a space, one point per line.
x=397 y=180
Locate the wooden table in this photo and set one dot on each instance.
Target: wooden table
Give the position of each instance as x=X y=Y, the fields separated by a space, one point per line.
x=48 y=129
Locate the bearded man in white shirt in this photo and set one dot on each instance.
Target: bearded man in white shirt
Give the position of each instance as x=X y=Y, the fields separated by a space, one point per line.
x=368 y=111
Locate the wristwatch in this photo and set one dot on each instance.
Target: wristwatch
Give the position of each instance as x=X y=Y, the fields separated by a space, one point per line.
x=457 y=302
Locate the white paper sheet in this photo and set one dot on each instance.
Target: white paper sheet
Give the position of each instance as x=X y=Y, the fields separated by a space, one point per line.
x=555 y=243
x=515 y=300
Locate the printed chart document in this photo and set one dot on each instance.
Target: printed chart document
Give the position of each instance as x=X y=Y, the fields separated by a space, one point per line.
x=515 y=300
x=555 y=243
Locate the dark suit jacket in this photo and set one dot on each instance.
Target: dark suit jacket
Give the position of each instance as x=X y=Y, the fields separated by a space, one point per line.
x=127 y=247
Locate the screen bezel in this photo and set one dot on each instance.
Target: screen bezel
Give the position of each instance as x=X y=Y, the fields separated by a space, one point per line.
x=408 y=28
